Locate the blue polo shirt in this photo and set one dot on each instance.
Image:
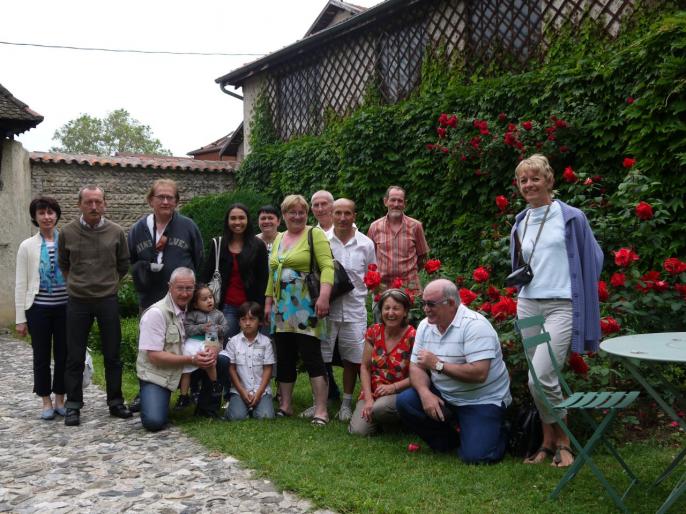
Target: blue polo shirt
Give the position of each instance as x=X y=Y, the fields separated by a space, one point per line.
x=469 y=338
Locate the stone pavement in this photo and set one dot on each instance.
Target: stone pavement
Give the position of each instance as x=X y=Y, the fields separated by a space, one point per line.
x=111 y=465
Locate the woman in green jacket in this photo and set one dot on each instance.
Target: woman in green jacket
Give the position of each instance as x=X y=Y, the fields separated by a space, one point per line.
x=297 y=320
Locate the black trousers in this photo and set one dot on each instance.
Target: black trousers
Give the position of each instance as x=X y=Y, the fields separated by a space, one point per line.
x=48 y=329
x=80 y=316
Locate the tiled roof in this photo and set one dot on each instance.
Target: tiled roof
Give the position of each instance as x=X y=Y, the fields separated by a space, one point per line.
x=214 y=146
x=141 y=161
x=15 y=115
x=331 y=9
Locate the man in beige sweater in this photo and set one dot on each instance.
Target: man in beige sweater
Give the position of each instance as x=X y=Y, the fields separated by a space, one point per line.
x=93 y=256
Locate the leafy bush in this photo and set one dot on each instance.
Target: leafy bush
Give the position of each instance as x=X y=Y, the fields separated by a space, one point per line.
x=129 y=342
x=208 y=211
x=127 y=298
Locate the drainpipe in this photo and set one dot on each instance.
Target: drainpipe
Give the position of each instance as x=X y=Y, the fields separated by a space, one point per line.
x=222 y=86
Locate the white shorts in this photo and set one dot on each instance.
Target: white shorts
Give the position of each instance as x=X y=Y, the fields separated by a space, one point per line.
x=192 y=346
x=350 y=335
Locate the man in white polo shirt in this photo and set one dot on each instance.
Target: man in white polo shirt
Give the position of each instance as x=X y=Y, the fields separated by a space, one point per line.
x=458 y=377
x=347 y=320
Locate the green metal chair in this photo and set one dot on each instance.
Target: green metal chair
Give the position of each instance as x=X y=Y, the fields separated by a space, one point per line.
x=608 y=403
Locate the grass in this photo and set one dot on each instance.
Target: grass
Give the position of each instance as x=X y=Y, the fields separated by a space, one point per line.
x=349 y=474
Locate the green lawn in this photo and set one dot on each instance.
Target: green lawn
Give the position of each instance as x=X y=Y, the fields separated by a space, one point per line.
x=350 y=474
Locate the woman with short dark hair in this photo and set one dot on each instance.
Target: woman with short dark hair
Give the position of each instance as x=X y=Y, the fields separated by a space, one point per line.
x=40 y=298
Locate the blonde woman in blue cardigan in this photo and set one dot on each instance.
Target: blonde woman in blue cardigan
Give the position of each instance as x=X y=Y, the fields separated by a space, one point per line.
x=297 y=320
x=40 y=299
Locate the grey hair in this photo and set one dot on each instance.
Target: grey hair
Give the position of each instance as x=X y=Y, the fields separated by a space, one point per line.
x=450 y=292
x=324 y=193
x=91 y=187
x=181 y=272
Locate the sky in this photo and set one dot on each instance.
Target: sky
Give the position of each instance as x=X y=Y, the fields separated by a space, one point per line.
x=175 y=95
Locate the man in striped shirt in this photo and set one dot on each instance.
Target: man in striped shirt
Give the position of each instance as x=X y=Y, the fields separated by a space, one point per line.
x=401 y=247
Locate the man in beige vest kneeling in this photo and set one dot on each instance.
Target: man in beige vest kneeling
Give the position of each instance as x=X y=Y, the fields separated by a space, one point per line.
x=160 y=357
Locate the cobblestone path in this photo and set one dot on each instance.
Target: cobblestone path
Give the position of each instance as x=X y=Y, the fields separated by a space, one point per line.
x=111 y=465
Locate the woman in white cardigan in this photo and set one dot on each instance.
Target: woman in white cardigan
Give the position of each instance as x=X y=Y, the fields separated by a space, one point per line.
x=40 y=298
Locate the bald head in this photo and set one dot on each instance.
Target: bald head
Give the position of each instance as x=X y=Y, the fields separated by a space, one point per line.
x=344 y=219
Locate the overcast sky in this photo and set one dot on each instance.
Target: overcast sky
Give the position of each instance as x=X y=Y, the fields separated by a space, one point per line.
x=175 y=95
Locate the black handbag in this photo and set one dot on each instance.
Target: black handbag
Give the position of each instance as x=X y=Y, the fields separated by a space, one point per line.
x=526 y=433
x=341 y=281
x=524 y=274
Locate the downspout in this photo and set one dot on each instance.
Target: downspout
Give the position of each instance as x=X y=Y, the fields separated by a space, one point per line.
x=222 y=86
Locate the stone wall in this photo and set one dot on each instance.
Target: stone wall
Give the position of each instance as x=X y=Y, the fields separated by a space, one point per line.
x=126 y=188
x=15 y=196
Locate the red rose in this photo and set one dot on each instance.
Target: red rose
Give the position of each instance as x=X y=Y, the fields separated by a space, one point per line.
x=564 y=149
x=502 y=117
x=509 y=139
x=578 y=364
x=644 y=211
x=397 y=283
x=551 y=137
x=648 y=281
x=674 y=266
x=432 y=266
x=459 y=280
x=443 y=120
x=444 y=149
x=661 y=286
x=624 y=257
x=568 y=175
x=505 y=308
x=560 y=124
x=609 y=325
x=628 y=162
x=410 y=295
x=501 y=202
x=493 y=293
x=597 y=178
x=372 y=279
x=467 y=296
x=485 y=307
x=510 y=291
x=480 y=274
x=618 y=279
x=372 y=267
x=527 y=125
x=377 y=297
x=431 y=146
x=475 y=142
x=452 y=121
x=603 y=294
x=511 y=127
x=630 y=100
x=441 y=132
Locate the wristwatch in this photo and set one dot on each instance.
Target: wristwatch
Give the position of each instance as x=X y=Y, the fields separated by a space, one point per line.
x=438 y=367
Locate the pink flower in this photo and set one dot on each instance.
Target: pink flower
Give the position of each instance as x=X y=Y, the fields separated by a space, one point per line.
x=413 y=447
x=588 y=182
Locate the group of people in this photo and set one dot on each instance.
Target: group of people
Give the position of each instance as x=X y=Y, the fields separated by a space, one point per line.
x=247 y=312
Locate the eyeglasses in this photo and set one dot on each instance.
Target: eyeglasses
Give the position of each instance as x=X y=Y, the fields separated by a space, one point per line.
x=165 y=198
x=431 y=304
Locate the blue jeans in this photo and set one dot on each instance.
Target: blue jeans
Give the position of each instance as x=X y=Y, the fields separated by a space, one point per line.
x=154 y=406
x=231 y=315
x=238 y=410
x=482 y=435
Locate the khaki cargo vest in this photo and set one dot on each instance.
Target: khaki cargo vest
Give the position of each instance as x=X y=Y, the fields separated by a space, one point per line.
x=167 y=377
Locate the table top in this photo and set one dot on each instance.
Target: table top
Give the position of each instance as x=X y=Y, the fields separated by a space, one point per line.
x=664 y=346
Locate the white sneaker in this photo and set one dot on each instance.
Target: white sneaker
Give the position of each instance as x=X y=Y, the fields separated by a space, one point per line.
x=308 y=413
x=345 y=414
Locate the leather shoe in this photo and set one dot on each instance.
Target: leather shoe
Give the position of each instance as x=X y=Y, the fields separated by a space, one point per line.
x=120 y=411
x=73 y=418
x=135 y=405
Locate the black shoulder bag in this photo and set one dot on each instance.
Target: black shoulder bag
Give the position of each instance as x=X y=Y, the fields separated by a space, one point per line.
x=341 y=280
x=524 y=274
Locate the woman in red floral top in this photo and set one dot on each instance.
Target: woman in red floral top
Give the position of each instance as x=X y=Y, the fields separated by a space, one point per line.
x=385 y=365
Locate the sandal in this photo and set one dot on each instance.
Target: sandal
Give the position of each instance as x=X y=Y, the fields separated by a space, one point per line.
x=282 y=414
x=557 y=460
x=548 y=452
x=319 y=422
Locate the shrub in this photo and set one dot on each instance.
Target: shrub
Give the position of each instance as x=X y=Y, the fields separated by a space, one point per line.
x=208 y=211
x=129 y=342
x=127 y=298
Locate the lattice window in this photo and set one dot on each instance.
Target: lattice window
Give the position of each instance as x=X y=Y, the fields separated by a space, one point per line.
x=336 y=75
x=298 y=107
x=400 y=60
